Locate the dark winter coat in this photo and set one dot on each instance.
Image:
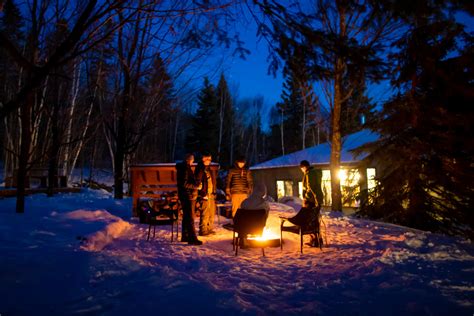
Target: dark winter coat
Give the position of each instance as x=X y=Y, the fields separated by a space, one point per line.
x=201 y=178
x=187 y=184
x=239 y=181
x=312 y=191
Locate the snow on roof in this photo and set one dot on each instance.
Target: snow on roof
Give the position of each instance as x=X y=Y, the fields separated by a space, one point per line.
x=321 y=154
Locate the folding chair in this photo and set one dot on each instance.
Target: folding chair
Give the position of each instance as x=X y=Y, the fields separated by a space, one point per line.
x=310 y=223
x=248 y=222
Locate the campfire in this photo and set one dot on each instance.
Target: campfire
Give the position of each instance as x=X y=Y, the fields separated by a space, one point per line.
x=268 y=239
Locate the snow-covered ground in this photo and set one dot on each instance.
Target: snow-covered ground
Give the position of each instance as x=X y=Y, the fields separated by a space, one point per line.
x=82 y=254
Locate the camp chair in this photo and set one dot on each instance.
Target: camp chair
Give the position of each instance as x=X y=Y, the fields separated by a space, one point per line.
x=248 y=222
x=161 y=217
x=310 y=220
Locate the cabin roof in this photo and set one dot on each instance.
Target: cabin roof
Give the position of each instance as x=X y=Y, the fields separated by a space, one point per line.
x=321 y=154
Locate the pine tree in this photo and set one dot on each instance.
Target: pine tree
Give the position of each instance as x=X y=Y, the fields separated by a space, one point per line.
x=226 y=123
x=11 y=23
x=341 y=44
x=205 y=127
x=291 y=108
x=426 y=129
x=357 y=112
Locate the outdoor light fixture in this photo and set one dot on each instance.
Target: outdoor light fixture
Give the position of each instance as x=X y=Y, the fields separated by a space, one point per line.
x=342 y=174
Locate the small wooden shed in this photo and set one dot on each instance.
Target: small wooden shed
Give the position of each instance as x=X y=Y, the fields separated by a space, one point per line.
x=152 y=180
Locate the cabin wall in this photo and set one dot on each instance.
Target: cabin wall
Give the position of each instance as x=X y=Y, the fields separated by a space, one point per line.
x=270 y=176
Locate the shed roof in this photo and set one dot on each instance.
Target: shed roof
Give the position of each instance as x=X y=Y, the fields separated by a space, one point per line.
x=321 y=154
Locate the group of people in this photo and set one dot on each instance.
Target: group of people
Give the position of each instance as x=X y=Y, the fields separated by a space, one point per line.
x=198 y=188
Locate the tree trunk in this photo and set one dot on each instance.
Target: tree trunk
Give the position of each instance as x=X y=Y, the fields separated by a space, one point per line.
x=119 y=158
x=221 y=126
x=70 y=117
x=54 y=152
x=282 y=134
x=120 y=140
x=336 y=143
x=24 y=154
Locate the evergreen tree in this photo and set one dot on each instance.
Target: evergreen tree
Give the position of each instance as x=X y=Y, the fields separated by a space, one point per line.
x=11 y=23
x=291 y=108
x=226 y=137
x=341 y=43
x=158 y=92
x=357 y=112
x=205 y=128
x=426 y=129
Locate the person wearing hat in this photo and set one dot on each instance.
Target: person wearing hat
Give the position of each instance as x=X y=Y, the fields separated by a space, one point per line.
x=239 y=184
x=206 y=195
x=187 y=193
x=312 y=201
x=312 y=192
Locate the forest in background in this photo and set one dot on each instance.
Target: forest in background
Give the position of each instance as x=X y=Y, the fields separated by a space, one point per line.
x=104 y=85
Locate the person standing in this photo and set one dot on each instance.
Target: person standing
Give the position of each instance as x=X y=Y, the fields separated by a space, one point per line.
x=312 y=199
x=206 y=195
x=187 y=194
x=239 y=184
x=312 y=192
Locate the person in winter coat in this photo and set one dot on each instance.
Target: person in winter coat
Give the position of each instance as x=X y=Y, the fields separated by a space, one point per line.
x=206 y=195
x=239 y=184
x=312 y=200
x=312 y=192
x=187 y=194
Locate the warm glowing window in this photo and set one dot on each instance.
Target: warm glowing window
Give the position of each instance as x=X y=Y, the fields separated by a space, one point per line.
x=326 y=187
x=300 y=189
x=280 y=189
x=371 y=178
x=284 y=188
x=349 y=186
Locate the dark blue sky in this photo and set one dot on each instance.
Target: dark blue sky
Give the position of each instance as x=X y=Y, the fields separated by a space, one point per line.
x=249 y=77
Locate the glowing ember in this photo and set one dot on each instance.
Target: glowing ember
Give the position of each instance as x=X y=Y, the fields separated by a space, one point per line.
x=267 y=235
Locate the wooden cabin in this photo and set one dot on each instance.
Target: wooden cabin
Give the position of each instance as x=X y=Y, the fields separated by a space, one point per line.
x=282 y=175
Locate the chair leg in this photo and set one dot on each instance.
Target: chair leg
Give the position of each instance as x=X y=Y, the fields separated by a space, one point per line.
x=301 y=242
x=237 y=245
x=318 y=236
x=177 y=230
x=233 y=241
x=149 y=228
x=172 y=231
x=281 y=239
x=263 y=251
x=154 y=230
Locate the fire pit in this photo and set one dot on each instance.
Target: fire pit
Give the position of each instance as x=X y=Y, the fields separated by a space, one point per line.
x=268 y=239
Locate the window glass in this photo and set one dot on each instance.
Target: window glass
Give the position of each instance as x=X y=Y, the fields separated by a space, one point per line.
x=280 y=189
x=284 y=188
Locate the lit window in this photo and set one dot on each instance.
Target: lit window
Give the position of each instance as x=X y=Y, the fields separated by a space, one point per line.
x=284 y=188
x=326 y=187
x=300 y=189
x=280 y=189
x=371 y=178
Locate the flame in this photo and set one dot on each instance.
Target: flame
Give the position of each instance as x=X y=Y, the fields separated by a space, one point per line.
x=268 y=234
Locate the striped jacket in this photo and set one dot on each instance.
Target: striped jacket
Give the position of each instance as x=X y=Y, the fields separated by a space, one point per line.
x=239 y=181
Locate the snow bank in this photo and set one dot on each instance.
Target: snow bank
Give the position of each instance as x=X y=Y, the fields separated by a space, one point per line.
x=96 y=241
